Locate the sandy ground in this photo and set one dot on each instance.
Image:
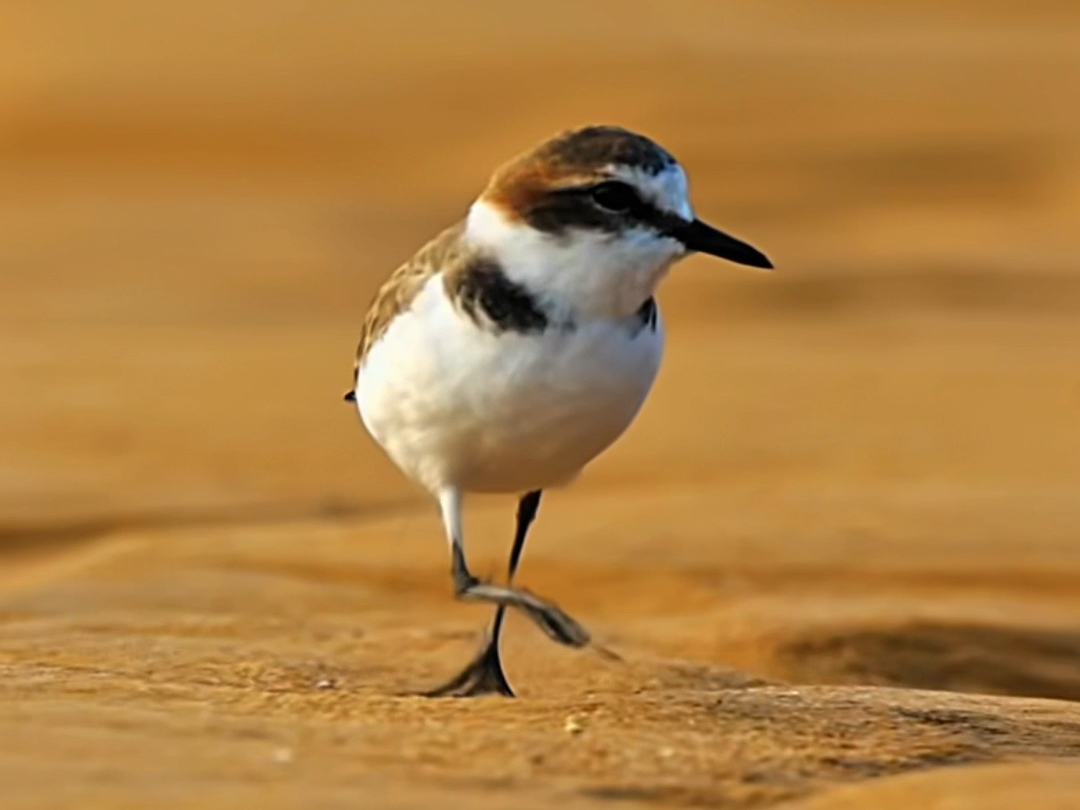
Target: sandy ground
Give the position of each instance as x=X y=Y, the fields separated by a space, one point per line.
x=837 y=554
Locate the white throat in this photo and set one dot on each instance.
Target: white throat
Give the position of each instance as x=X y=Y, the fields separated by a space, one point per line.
x=581 y=272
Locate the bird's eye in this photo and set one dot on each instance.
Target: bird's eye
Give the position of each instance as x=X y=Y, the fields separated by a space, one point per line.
x=614 y=196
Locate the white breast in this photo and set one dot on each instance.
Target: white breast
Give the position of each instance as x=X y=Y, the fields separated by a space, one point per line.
x=454 y=405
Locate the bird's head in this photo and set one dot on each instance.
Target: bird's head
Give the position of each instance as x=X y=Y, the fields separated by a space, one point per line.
x=592 y=219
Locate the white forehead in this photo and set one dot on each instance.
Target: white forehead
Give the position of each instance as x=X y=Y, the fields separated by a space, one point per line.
x=667 y=190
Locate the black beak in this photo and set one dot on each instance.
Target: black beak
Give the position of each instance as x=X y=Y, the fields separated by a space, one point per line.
x=702 y=238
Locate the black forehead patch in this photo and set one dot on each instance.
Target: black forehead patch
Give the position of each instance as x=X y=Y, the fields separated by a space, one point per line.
x=595 y=147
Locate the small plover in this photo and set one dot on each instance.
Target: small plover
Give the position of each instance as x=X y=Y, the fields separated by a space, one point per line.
x=518 y=344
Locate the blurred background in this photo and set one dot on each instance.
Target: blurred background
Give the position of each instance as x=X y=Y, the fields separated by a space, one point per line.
x=197 y=201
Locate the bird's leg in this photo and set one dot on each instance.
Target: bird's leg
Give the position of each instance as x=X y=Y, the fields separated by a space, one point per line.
x=548 y=616
x=484 y=674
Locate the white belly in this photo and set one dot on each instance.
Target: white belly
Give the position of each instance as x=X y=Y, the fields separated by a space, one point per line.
x=454 y=405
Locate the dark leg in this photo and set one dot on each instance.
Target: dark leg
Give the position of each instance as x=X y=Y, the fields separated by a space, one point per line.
x=526 y=514
x=549 y=617
x=484 y=674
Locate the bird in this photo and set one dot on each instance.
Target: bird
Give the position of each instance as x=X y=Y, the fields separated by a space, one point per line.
x=521 y=342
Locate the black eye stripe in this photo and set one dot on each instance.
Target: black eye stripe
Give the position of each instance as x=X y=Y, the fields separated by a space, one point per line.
x=639 y=211
x=558 y=211
x=613 y=195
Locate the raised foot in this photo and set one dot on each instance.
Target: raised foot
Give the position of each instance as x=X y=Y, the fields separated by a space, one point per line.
x=482 y=676
x=549 y=617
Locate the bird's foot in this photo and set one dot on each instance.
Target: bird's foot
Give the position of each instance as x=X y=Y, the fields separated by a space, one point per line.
x=549 y=617
x=482 y=676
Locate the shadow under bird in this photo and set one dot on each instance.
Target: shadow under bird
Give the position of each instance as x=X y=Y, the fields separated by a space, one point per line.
x=519 y=343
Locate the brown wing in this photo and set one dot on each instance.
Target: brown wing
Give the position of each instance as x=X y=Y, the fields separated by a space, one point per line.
x=442 y=253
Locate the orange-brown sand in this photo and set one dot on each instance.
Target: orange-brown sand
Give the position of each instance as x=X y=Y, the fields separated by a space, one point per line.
x=838 y=553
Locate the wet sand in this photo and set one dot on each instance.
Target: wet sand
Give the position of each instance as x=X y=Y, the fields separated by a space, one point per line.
x=837 y=553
